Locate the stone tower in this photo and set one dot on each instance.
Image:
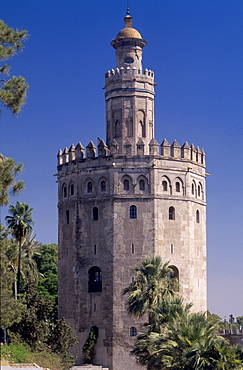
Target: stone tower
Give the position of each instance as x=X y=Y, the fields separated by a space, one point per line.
x=124 y=200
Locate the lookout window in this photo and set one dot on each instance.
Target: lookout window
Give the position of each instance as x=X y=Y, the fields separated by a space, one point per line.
x=103 y=186
x=89 y=187
x=95 y=214
x=164 y=185
x=126 y=185
x=197 y=216
x=178 y=187
x=171 y=213
x=141 y=185
x=95 y=279
x=72 y=189
x=67 y=217
x=133 y=332
x=65 y=192
x=133 y=212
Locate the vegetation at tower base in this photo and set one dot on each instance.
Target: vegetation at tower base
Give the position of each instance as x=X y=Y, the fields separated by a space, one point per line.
x=9 y=169
x=88 y=347
x=174 y=337
x=34 y=334
x=12 y=90
x=20 y=223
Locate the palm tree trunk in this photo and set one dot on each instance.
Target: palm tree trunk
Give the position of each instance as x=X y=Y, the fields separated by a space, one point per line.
x=19 y=267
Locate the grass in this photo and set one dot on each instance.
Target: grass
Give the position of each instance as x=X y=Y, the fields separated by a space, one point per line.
x=20 y=353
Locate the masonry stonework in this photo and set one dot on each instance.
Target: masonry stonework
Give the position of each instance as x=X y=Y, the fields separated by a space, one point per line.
x=124 y=200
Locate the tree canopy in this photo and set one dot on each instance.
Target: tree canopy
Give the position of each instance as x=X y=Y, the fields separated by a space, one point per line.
x=174 y=338
x=12 y=89
x=9 y=169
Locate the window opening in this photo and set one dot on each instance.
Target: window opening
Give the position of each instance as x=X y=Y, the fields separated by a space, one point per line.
x=141 y=185
x=199 y=191
x=126 y=185
x=178 y=187
x=133 y=212
x=94 y=307
x=95 y=249
x=171 y=249
x=164 y=185
x=72 y=189
x=174 y=273
x=193 y=189
x=67 y=217
x=117 y=129
x=103 y=186
x=171 y=213
x=65 y=192
x=95 y=279
x=133 y=332
x=133 y=248
x=95 y=214
x=90 y=187
x=197 y=216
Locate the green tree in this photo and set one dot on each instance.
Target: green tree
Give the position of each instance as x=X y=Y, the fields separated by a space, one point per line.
x=61 y=340
x=150 y=287
x=239 y=321
x=9 y=169
x=46 y=258
x=20 y=223
x=12 y=90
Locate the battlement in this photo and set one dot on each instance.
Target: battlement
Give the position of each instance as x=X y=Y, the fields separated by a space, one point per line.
x=172 y=151
x=128 y=71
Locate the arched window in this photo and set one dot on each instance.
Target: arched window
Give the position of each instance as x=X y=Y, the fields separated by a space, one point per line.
x=141 y=185
x=103 y=185
x=142 y=124
x=133 y=212
x=178 y=187
x=95 y=280
x=126 y=185
x=174 y=273
x=171 y=213
x=117 y=129
x=67 y=217
x=133 y=331
x=95 y=214
x=199 y=191
x=89 y=187
x=65 y=191
x=197 y=216
x=193 y=189
x=72 y=189
x=164 y=185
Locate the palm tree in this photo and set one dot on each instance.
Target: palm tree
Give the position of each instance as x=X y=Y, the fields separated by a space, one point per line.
x=150 y=287
x=20 y=223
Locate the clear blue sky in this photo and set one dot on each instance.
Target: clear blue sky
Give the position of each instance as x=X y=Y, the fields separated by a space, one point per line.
x=194 y=48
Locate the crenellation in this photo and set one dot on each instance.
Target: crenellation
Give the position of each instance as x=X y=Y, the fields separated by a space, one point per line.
x=79 y=151
x=65 y=155
x=59 y=157
x=90 y=150
x=165 y=148
x=71 y=153
x=186 y=151
x=124 y=72
x=193 y=153
x=175 y=150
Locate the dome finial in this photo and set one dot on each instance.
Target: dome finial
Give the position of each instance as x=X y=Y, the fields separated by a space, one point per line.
x=128 y=8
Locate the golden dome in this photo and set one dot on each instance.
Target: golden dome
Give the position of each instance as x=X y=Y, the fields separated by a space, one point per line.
x=128 y=32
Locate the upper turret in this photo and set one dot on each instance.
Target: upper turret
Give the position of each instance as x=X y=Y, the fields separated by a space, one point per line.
x=128 y=44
